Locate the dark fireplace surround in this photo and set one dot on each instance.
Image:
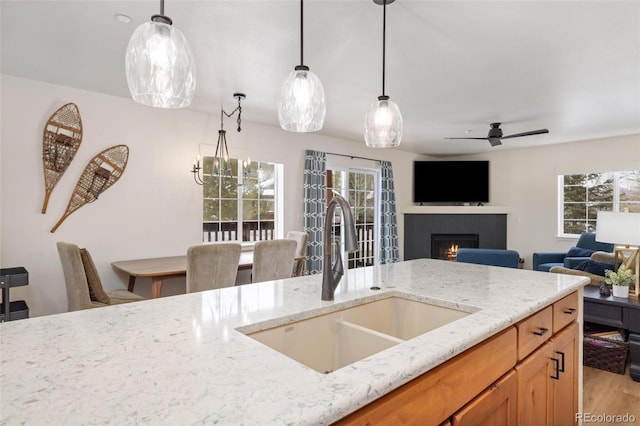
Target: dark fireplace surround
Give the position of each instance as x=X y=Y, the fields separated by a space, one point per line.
x=421 y=229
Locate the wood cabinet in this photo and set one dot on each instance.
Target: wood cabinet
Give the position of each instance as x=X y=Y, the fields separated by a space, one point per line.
x=433 y=397
x=548 y=382
x=565 y=387
x=496 y=406
x=526 y=375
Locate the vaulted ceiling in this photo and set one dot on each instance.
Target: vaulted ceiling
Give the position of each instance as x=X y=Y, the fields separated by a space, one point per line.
x=453 y=67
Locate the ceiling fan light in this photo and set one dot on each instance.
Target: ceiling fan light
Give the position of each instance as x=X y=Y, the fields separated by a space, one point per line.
x=301 y=106
x=383 y=124
x=160 y=67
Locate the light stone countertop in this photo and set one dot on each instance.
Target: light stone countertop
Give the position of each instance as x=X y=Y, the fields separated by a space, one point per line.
x=180 y=361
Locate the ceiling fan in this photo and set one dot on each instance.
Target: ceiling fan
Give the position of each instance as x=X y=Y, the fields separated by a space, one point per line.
x=495 y=134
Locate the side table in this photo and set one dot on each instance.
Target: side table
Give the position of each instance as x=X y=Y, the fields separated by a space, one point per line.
x=619 y=313
x=18 y=309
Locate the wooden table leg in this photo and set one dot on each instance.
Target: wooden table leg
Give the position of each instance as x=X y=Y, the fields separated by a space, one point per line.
x=156 y=287
x=132 y=282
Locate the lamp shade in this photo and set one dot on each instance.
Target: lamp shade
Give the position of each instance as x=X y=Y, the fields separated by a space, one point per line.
x=383 y=124
x=618 y=228
x=160 y=67
x=301 y=106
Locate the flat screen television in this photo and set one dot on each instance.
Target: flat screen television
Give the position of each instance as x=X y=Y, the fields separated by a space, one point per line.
x=451 y=181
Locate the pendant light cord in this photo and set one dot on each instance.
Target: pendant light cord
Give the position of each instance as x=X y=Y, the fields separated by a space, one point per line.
x=301 y=32
x=162 y=7
x=384 y=32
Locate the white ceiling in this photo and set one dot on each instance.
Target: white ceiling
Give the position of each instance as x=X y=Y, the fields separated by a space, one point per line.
x=452 y=66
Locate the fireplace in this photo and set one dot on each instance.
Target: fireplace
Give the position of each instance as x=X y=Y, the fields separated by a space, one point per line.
x=445 y=246
x=490 y=227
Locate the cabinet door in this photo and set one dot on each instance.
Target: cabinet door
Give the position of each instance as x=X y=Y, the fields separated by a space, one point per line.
x=535 y=403
x=565 y=388
x=496 y=406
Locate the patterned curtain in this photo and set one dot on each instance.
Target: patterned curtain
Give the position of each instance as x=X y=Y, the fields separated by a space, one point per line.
x=388 y=226
x=314 y=207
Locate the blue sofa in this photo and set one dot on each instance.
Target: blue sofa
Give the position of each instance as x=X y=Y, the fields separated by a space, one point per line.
x=494 y=257
x=584 y=248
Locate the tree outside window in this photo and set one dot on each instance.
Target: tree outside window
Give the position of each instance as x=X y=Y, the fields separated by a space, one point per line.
x=583 y=195
x=240 y=207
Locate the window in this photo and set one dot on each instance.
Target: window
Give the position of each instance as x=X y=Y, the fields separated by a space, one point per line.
x=241 y=207
x=582 y=195
x=360 y=189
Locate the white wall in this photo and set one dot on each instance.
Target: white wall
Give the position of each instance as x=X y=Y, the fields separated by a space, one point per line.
x=525 y=180
x=155 y=209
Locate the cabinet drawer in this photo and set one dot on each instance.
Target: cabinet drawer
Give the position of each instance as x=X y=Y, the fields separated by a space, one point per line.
x=534 y=331
x=565 y=311
x=603 y=314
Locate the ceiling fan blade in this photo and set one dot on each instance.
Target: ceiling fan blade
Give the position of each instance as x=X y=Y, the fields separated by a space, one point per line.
x=495 y=142
x=533 y=132
x=476 y=139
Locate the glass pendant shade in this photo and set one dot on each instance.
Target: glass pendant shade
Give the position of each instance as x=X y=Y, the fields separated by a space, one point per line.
x=301 y=106
x=383 y=124
x=160 y=68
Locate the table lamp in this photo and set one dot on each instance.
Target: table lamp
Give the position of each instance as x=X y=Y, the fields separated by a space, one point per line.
x=623 y=229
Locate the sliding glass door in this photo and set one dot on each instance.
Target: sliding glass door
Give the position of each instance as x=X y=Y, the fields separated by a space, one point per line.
x=361 y=189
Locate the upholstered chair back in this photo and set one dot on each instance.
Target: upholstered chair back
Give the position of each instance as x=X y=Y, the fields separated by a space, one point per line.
x=301 y=239
x=211 y=266
x=84 y=287
x=74 y=277
x=273 y=260
x=493 y=257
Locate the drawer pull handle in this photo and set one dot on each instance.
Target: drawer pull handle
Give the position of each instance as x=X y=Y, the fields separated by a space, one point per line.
x=570 y=311
x=541 y=332
x=561 y=369
x=556 y=375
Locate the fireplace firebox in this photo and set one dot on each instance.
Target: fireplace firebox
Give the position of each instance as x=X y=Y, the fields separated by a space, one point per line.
x=445 y=246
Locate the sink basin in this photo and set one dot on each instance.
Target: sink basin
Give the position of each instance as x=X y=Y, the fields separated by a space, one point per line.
x=332 y=341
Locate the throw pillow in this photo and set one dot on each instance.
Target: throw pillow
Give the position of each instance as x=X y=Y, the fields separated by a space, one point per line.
x=579 y=252
x=594 y=267
x=96 y=292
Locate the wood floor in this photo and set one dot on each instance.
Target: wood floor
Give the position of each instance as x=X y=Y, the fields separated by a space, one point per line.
x=610 y=394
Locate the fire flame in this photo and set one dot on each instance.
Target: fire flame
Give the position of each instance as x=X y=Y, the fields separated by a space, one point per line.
x=453 y=251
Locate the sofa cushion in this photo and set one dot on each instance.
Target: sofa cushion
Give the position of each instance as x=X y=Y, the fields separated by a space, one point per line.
x=96 y=292
x=594 y=267
x=579 y=252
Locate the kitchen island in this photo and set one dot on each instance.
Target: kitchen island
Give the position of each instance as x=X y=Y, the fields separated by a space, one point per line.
x=181 y=359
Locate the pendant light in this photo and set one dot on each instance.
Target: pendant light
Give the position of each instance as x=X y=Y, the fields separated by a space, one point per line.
x=383 y=122
x=159 y=64
x=301 y=106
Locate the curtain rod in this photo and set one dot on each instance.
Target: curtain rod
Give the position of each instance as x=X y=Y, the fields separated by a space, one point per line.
x=352 y=156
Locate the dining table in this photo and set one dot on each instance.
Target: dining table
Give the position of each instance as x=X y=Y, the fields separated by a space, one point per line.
x=162 y=268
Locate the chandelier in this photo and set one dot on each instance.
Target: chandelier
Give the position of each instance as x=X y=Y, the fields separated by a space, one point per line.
x=220 y=166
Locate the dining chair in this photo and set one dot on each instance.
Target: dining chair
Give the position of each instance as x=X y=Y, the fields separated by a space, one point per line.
x=84 y=287
x=211 y=266
x=301 y=239
x=273 y=260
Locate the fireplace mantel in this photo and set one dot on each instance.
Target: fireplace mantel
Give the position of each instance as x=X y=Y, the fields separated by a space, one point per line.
x=456 y=210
